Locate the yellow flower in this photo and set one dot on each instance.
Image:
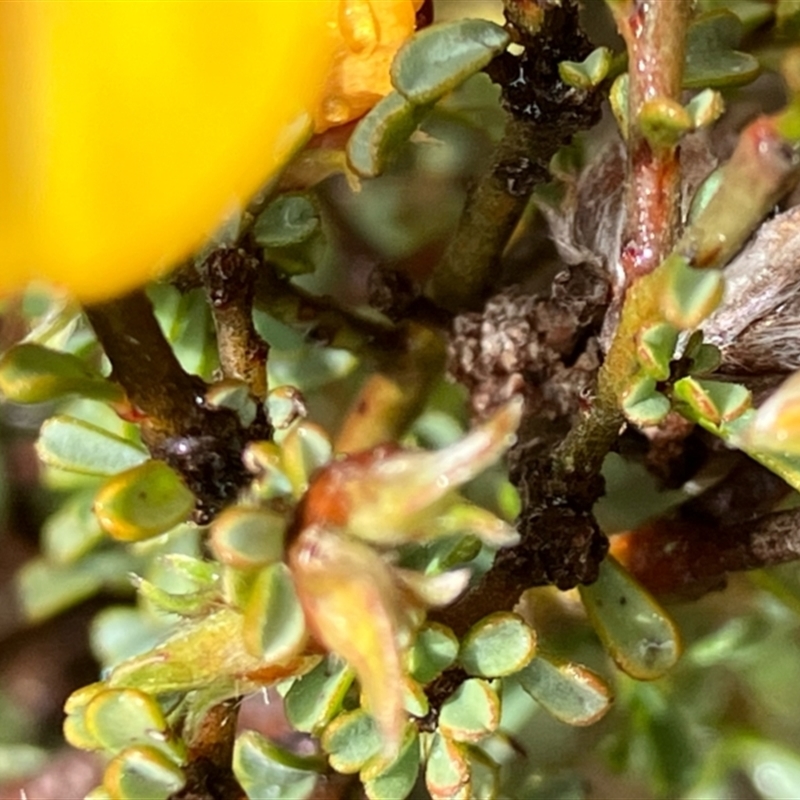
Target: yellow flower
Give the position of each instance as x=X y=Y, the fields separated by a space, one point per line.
x=128 y=130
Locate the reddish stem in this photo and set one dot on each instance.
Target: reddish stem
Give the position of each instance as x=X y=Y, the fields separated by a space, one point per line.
x=655 y=33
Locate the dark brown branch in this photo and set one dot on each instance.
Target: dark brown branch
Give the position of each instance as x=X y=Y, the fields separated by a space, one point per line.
x=204 y=445
x=208 y=769
x=685 y=559
x=145 y=366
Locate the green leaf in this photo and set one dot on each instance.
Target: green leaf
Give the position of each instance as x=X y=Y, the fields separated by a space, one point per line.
x=415 y=701
x=142 y=772
x=185 y=318
x=267 y=771
x=76 y=732
x=290 y=231
x=704 y=194
x=45 y=589
x=772 y=767
x=706 y=360
x=618 y=98
x=435 y=648
x=382 y=132
x=274 y=623
x=471 y=713
x=663 y=122
x=447 y=771
x=588 y=73
x=439 y=58
x=305 y=448
x=739 y=433
x=715 y=401
x=441 y=554
x=637 y=632
x=484 y=775
x=642 y=404
x=655 y=348
x=142 y=502
x=285 y=405
x=235 y=395
x=197 y=654
x=186 y=604
x=120 y=718
x=120 y=632
x=288 y=220
x=248 y=537
x=500 y=644
x=691 y=294
x=315 y=698
x=190 y=569
x=711 y=60
x=396 y=779
x=705 y=108
x=570 y=692
x=78 y=446
x=263 y=459
x=30 y=373
x=72 y=530
x=351 y=740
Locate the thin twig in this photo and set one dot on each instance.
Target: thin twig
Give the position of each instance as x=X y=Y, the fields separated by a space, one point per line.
x=229 y=275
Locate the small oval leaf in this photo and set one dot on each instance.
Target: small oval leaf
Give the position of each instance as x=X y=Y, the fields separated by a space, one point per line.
x=265 y=770
x=30 y=373
x=142 y=772
x=315 y=698
x=711 y=60
x=500 y=644
x=77 y=446
x=143 y=502
x=691 y=294
x=447 y=774
x=289 y=219
x=248 y=537
x=397 y=778
x=120 y=718
x=274 y=623
x=570 y=692
x=435 y=649
x=381 y=133
x=637 y=632
x=439 y=58
x=471 y=713
x=351 y=740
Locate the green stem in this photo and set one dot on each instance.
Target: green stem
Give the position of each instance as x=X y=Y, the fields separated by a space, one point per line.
x=543 y=115
x=492 y=211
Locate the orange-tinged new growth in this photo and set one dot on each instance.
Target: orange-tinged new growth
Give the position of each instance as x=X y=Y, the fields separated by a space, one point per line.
x=129 y=130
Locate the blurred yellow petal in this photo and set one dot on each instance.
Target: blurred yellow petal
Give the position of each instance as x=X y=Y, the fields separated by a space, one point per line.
x=128 y=130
